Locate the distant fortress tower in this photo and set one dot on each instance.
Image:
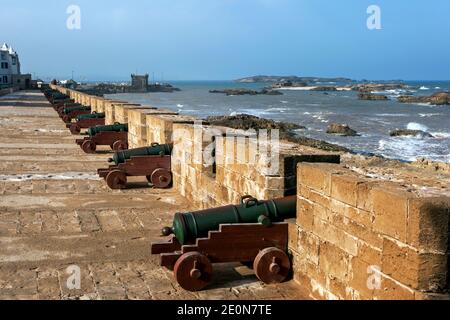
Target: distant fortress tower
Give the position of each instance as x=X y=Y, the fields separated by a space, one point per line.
x=139 y=82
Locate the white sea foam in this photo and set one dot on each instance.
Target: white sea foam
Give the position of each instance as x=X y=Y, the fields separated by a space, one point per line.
x=406 y=148
x=424 y=88
x=254 y=112
x=282 y=110
x=392 y=115
x=428 y=115
x=180 y=105
x=441 y=135
x=284 y=102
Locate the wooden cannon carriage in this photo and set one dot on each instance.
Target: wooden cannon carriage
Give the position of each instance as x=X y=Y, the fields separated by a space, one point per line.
x=252 y=233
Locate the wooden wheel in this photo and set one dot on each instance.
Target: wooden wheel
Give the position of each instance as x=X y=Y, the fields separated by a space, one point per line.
x=161 y=178
x=89 y=146
x=193 y=271
x=119 y=145
x=116 y=179
x=272 y=265
x=66 y=119
x=75 y=128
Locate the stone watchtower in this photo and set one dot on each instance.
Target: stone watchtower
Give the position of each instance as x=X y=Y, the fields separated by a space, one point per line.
x=139 y=82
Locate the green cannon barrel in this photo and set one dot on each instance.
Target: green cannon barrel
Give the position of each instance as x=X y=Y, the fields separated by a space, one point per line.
x=155 y=150
x=91 y=116
x=73 y=109
x=58 y=96
x=187 y=227
x=108 y=128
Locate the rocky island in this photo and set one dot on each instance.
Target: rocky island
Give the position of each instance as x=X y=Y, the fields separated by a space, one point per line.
x=292 y=79
x=242 y=92
x=440 y=98
x=411 y=133
x=372 y=97
x=341 y=130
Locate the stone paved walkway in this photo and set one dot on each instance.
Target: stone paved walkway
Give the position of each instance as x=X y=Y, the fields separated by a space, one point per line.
x=55 y=213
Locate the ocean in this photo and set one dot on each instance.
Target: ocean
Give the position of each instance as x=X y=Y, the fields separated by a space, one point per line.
x=374 y=120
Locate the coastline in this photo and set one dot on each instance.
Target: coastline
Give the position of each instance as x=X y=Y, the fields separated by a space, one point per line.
x=373 y=120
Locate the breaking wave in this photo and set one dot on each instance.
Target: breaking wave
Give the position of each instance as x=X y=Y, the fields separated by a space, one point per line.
x=417 y=126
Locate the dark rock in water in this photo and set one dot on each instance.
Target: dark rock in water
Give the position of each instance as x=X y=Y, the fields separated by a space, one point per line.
x=407 y=132
x=324 y=88
x=289 y=84
x=271 y=92
x=236 y=92
x=341 y=129
x=241 y=92
x=372 y=97
x=246 y=122
x=369 y=87
x=440 y=98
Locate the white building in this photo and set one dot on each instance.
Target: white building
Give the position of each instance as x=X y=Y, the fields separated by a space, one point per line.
x=10 y=75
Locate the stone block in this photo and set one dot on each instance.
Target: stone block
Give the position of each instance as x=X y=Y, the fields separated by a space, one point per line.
x=344 y=187
x=334 y=261
x=390 y=205
x=418 y=270
x=317 y=176
x=428 y=224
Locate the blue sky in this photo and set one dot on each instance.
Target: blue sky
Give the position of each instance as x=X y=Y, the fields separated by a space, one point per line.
x=227 y=39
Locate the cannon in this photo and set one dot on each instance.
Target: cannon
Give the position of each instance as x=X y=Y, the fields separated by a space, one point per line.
x=94 y=115
x=59 y=107
x=115 y=136
x=56 y=97
x=53 y=96
x=152 y=162
x=85 y=121
x=67 y=114
x=61 y=102
x=253 y=232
